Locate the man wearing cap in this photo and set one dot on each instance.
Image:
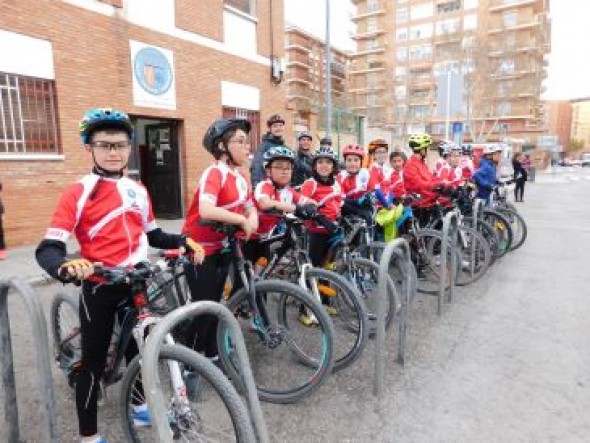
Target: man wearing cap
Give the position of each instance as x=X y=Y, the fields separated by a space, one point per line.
x=303 y=158
x=274 y=137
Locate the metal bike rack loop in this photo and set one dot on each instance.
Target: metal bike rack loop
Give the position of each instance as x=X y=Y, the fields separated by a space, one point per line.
x=152 y=386
x=39 y=332
x=449 y=232
x=401 y=245
x=477 y=211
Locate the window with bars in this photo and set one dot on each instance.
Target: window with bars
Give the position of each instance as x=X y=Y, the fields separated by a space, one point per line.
x=28 y=115
x=253 y=117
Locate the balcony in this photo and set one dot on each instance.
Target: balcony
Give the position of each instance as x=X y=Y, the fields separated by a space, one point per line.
x=365 y=68
x=448 y=37
x=367 y=88
x=519 y=26
x=298 y=60
x=419 y=64
x=364 y=35
x=296 y=47
x=502 y=5
x=377 y=50
x=371 y=11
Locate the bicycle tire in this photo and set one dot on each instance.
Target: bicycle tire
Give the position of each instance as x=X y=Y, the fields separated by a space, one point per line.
x=358 y=325
x=322 y=363
x=520 y=234
x=425 y=261
x=66 y=337
x=488 y=233
x=502 y=227
x=366 y=283
x=230 y=400
x=479 y=264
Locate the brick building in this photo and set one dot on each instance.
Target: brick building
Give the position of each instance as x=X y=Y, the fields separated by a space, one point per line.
x=174 y=65
x=580 y=118
x=559 y=121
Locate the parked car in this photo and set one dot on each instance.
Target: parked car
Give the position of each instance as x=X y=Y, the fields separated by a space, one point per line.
x=585 y=159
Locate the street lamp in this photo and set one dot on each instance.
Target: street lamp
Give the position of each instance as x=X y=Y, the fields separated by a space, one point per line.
x=328 y=73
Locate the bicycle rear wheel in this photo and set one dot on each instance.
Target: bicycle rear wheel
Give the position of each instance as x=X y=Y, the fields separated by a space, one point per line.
x=217 y=414
x=364 y=275
x=502 y=228
x=518 y=225
x=475 y=256
x=65 y=328
x=288 y=360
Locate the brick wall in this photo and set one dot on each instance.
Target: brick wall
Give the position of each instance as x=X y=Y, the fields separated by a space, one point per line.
x=93 y=68
x=202 y=17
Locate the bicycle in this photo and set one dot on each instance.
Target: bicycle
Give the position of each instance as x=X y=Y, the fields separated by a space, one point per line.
x=220 y=415
x=273 y=341
x=350 y=261
x=290 y=261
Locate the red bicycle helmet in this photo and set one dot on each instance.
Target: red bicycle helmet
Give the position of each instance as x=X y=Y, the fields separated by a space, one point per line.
x=354 y=150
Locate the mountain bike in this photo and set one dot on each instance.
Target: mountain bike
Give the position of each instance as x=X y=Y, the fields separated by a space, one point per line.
x=290 y=261
x=289 y=361
x=218 y=415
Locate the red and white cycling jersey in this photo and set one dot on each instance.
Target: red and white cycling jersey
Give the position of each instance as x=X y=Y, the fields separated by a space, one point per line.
x=225 y=188
x=393 y=184
x=267 y=190
x=467 y=168
x=329 y=200
x=109 y=218
x=379 y=172
x=357 y=185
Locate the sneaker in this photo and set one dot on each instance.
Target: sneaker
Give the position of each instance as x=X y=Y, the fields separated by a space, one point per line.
x=193 y=387
x=305 y=320
x=331 y=310
x=142 y=418
x=2 y=254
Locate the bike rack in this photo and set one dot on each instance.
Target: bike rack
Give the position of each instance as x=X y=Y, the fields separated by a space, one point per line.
x=450 y=229
x=401 y=245
x=39 y=332
x=477 y=211
x=153 y=388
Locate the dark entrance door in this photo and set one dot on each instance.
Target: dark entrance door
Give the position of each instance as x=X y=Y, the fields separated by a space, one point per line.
x=162 y=169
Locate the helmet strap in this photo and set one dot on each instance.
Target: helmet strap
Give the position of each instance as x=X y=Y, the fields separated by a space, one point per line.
x=99 y=170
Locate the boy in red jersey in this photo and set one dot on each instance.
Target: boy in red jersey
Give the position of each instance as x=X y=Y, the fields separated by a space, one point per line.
x=222 y=195
x=323 y=188
x=111 y=217
x=356 y=183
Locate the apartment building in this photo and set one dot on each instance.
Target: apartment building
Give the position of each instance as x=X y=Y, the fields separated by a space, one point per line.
x=305 y=76
x=580 y=130
x=463 y=69
x=173 y=65
x=558 y=115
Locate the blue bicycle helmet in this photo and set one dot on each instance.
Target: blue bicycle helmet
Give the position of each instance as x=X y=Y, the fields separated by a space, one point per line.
x=278 y=153
x=104 y=118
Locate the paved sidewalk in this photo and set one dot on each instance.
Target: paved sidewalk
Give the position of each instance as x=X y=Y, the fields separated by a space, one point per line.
x=21 y=261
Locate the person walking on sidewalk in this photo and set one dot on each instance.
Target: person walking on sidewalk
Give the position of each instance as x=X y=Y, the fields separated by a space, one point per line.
x=2 y=243
x=520 y=177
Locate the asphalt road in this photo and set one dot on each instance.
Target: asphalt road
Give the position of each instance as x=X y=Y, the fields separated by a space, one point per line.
x=507 y=361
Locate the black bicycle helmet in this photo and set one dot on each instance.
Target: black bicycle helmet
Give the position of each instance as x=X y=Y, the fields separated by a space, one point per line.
x=220 y=127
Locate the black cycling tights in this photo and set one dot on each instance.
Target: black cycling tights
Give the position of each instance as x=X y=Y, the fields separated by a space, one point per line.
x=519 y=190
x=97 y=315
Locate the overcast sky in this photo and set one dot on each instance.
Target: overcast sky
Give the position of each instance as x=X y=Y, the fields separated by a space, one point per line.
x=569 y=61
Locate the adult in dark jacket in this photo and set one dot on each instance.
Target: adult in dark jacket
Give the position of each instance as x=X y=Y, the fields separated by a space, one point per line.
x=274 y=137
x=303 y=159
x=520 y=177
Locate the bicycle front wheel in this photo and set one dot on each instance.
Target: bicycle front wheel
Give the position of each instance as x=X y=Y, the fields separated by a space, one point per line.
x=206 y=409
x=289 y=360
